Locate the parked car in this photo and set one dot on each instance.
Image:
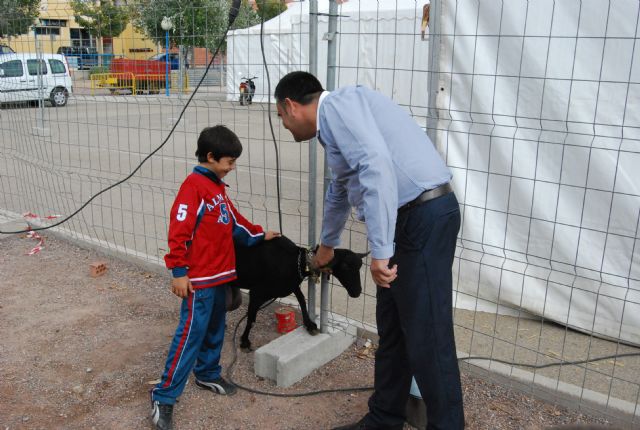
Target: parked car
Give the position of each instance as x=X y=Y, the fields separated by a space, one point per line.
x=80 y=57
x=6 y=49
x=174 y=60
x=19 y=78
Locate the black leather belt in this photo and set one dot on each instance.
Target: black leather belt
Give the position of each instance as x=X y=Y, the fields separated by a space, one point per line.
x=427 y=195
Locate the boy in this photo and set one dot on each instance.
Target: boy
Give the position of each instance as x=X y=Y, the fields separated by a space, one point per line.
x=203 y=225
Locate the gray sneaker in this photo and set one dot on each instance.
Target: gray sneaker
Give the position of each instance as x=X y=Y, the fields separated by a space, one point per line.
x=219 y=386
x=162 y=415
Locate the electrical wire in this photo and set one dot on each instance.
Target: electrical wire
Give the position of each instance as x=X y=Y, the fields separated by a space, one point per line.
x=273 y=135
x=272 y=394
x=561 y=363
x=369 y=388
x=233 y=13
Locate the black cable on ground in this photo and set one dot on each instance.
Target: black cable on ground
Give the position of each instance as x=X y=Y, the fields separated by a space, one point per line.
x=267 y=393
x=233 y=13
x=562 y=363
x=352 y=389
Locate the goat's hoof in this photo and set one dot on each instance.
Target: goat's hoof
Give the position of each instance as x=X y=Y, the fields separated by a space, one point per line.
x=312 y=329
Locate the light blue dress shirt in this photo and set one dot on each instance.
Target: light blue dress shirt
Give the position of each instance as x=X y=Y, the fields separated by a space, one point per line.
x=380 y=159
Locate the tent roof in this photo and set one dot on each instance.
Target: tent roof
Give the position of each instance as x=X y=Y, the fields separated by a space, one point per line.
x=352 y=10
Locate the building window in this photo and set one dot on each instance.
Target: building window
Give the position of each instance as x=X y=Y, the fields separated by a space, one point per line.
x=48 y=30
x=53 y=22
x=80 y=37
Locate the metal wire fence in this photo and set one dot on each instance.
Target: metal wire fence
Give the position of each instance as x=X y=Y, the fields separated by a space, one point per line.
x=533 y=104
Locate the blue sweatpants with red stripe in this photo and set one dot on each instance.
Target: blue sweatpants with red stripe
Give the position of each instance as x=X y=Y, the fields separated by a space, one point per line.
x=196 y=345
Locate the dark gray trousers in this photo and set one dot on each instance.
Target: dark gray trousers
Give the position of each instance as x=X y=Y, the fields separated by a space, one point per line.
x=415 y=321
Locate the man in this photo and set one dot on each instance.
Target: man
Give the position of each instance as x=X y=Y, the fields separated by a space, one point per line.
x=385 y=166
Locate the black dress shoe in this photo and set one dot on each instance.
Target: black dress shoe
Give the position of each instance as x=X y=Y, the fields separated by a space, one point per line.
x=362 y=425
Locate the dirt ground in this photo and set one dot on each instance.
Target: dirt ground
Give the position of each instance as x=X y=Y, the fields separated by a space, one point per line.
x=82 y=353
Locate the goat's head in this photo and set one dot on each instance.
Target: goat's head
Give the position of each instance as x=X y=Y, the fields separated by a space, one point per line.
x=346 y=268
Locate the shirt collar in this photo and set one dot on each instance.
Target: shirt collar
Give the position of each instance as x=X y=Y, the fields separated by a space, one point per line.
x=208 y=173
x=320 y=100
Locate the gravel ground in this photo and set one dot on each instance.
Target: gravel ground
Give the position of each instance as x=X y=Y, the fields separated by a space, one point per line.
x=82 y=353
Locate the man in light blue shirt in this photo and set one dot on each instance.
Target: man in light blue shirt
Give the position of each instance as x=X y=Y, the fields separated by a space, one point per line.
x=385 y=166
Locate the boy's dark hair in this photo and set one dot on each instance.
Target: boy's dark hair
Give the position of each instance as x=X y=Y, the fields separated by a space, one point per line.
x=220 y=141
x=301 y=87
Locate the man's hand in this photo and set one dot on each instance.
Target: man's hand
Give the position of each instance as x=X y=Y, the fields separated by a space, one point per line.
x=382 y=274
x=323 y=257
x=268 y=235
x=181 y=286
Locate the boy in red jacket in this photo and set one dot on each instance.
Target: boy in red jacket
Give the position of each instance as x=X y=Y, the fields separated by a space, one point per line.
x=202 y=228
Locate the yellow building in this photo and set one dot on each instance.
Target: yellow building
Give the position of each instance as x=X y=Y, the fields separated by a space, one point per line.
x=57 y=27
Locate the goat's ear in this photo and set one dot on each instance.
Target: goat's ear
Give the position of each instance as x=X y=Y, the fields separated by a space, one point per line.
x=362 y=255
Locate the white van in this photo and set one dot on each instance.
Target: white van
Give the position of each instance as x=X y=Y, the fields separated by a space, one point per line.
x=20 y=78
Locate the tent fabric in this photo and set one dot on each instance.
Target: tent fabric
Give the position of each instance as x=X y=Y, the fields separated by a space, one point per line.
x=541 y=134
x=379 y=45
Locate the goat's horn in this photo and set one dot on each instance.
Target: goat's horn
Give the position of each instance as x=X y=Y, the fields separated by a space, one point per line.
x=362 y=255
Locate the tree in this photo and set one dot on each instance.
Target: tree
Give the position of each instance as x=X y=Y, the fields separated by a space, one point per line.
x=249 y=17
x=17 y=16
x=101 y=18
x=195 y=22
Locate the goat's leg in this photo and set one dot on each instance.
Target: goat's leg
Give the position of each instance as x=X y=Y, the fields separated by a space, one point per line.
x=311 y=326
x=254 y=305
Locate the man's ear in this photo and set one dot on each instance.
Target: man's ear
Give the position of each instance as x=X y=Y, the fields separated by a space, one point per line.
x=290 y=106
x=210 y=158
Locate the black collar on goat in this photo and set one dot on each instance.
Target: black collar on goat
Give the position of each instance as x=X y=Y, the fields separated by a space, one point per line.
x=276 y=268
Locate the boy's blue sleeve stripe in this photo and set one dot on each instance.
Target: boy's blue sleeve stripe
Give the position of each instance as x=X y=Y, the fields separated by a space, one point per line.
x=243 y=236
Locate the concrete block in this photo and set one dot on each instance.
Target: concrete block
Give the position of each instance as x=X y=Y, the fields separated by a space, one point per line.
x=291 y=357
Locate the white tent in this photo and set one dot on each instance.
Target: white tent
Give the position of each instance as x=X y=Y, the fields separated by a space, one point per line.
x=379 y=45
x=542 y=140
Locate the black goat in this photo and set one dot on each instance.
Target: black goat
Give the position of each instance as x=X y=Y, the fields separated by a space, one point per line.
x=275 y=268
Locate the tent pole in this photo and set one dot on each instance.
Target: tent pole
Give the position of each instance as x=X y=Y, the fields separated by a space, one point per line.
x=434 y=68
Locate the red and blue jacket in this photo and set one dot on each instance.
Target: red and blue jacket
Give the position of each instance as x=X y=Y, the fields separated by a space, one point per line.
x=202 y=228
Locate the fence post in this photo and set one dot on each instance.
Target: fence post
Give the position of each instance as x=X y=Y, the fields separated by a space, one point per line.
x=434 y=68
x=331 y=84
x=313 y=159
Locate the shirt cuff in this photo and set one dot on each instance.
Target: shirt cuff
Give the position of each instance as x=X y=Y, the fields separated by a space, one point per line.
x=179 y=272
x=333 y=243
x=383 y=252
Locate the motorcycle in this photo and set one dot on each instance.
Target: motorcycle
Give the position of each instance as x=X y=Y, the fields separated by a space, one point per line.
x=247 y=90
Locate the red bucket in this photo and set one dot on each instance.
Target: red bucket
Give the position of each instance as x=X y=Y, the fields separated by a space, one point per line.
x=286 y=320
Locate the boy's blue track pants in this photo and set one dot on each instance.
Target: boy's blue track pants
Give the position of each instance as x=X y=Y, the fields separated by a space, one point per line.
x=197 y=343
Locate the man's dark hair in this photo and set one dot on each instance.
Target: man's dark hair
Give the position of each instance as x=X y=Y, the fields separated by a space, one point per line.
x=220 y=141
x=301 y=87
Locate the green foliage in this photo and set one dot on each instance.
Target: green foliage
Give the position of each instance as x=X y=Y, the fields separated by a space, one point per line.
x=98 y=70
x=17 y=16
x=249 y=17
x=195 y=22
x=101 y=19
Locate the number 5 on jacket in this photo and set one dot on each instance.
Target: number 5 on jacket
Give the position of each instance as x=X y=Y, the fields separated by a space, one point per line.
x=182 y=212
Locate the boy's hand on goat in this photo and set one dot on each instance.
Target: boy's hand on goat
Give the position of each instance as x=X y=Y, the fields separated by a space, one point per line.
x=268 y=235
x=382 y=274
x=181 y=286
x=324 y=256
